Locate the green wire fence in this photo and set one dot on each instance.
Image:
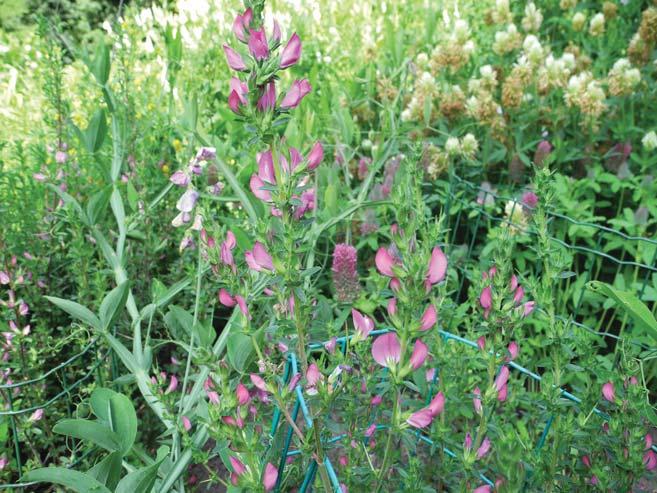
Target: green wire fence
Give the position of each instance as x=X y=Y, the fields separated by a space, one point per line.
x=601 y=254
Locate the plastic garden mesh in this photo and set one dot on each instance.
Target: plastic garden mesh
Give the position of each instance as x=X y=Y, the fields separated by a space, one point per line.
x=596 y=253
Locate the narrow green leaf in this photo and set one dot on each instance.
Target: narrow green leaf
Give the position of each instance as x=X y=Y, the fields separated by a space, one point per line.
x=142 y=480
x=91 y=431
x=112 y=305
x=76 y=310
x=74 y=480
x=108 y=470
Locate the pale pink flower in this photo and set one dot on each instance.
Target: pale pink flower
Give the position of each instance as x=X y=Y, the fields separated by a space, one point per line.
x=187 y=424
x=36 y=415
x=270 y=477
x=241 y=24
x=258 y=44
x=386 y=350
x=437 y=404
x=484 y=448
x=364 y=325
x=421 y=418
x=242 y=394
x=258 y=382
x=476 y=401
x=316 y=156
x=392 y=307
x=420 y=352
x=292 y=52
x=259 y=259
x=295 y=94
x=437 y=267
x=313 y=375
x=513 y=350
x=429 y=318
x=234 y=59
x=384 y=262
x=608 y=391
x=226 y=299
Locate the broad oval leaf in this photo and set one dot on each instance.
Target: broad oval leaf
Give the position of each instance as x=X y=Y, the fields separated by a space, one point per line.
x=74 y=480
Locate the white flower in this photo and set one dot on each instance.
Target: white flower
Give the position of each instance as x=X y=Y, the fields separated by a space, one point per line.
x=649 y=141
x=452 y=146
x=597 y=25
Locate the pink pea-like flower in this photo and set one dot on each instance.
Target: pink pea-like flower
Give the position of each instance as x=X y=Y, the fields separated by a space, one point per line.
x=313 y=375
x=437 y=267
x=259 y=259
x=467 y=441
x=483 y=489
x=258 y=44
x=476 y=401
x=238 y=467
x=429 y=318
x=238 y=92
x=419 y=355
x=513 y=350
x=316 y=156
x=241 y=302
x=481 y=343
x=258 y=382
x=180 y=178
x=484 y=448
x=650 y=460
x=437 y=404
x=299 y=89
x=241 y=24
x=486 y=298
x=270 y=477
x=384 y=262
x=364 y=325
x=392 y=307
x=370 y=430
x=376 y=400
x=36 y=415
x=608 y=391
x=242 y=394
x=502 y=378
x=173 y=385
x=421 y=418
x=225 y=298
x=331 y=344
x=292 y=52
x=527 y=308
x=268 y=99
x=386 y=350
x=187 y=424
x=234 y=59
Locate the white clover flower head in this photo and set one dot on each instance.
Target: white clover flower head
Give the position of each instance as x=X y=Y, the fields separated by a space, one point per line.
x=649 y=141
x=452 y=146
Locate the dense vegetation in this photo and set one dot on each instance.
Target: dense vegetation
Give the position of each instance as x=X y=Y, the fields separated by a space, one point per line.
x=332 y=245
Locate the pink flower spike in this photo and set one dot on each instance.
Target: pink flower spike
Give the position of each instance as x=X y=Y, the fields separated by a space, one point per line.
x=270 y=477
x=429 y=318
x=238 y=467
x=420 y=351
x=421 y=418
x=226 y=299
x=313 y=375
x=364 y=325
x=258 y=44
x=234 y=59
x=484 y=448
x=386 y=350
x=242 y=394
x=376 y=400
x=295 y=94
x=437 y=266
x=258 y=382
x=292 y=52
x=384 y=262
x=437 y=404
x=315 y=156
x=486 y=298
x=187 y=424
x=513 y=350
x=608 y=392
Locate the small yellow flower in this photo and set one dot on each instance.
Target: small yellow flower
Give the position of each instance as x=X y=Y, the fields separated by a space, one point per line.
x=165 y=169
x=177 y=145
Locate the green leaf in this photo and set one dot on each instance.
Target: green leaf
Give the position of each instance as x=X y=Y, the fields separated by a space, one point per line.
x=634 y=307
x=98 y=204
x=108 y=470
x=91 y=431
x=76 y=310
x=142 y=480
x=124 y=420
x=127 y=358
x=112 y=305
x=74 y=480
x=100 y=66
x=239 y=350
x=95 y=133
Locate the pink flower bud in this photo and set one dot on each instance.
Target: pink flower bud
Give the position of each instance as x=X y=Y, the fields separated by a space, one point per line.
x=392 y=307
x=376 y=400
x=437 y=266
x=502 y=378
x=242 y=394
x=295 y=94
x=513 y=350
x=650 y=460
x=476 y=401
x=241 y=24
x=481 y=343
x=292 y=52
x=238 y=467
x=173 y=385
x=313 y=375
x=486 y=298
x=429 y=318
x=226 y=299
x=484 y=448
x=608 y=391
x=258 y=45
x=268 y=99
x=258 y=382
x=270 y=477
x=421 y=418
x=234 y=59
x=315 y=156
x=419 y=355
x=187 y=424
x=370 y=430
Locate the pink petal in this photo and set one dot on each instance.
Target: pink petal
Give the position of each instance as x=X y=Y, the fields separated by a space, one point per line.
x=437 y=266
x=429 y=318
x=384 y=262
x=421 y=418
x=270 y=476
x=386 y=349
x=420 y=351
x=437 y=404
